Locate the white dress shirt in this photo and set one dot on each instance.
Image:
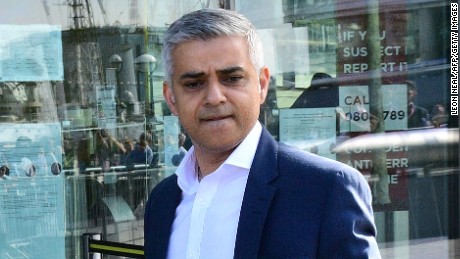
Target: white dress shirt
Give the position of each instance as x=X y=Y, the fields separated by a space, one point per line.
x=207 y=218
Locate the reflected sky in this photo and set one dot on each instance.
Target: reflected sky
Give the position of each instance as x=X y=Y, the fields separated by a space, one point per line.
x=118 y=12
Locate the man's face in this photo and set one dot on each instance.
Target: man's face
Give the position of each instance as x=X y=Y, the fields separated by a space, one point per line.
x=411 y=94
x=216 y=92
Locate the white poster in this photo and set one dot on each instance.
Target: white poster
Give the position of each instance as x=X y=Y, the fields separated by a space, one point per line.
x=395 y=106
x=106 y=107
x=310 y=129
x=32 y=208
x=31 y=53
x=354 y=108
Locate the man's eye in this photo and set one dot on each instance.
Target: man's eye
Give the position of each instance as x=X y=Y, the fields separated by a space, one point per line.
x=193 y=84
x=233 y=79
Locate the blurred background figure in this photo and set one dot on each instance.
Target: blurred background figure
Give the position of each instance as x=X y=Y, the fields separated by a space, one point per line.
x=322 y=92
x=142 y=152
x=439 y=117
x=108 y=149
x=129 y=147
x=416 y=116
x=177 y=158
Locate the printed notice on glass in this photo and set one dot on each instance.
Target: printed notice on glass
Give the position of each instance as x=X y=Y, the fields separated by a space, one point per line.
x=32 y=207
x=106 y=107
x=171 y=131
x=310 y=129
x=354 y=110
x=31 y=53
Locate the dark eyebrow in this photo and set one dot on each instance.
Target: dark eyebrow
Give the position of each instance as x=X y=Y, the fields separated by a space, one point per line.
x=224 y=71
x=230 y=70
x=191 y=75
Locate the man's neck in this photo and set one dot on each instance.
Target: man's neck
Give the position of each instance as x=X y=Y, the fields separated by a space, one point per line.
x=208 y=162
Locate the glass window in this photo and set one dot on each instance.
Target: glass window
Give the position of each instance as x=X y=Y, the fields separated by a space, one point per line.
x=85 y=133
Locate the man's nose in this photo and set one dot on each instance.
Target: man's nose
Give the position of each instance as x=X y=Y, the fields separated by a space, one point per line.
x=215 y=93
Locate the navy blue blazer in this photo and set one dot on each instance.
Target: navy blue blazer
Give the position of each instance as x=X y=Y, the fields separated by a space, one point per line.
x=296 y=205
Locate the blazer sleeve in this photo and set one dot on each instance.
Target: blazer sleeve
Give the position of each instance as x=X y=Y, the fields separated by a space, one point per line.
x=159 y=217
x=349 y=216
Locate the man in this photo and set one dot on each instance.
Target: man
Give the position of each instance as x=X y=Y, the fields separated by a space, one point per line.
x=322 y=93
x=142 y=152
x=416 y=116
x=238 y=193
x=177 y=158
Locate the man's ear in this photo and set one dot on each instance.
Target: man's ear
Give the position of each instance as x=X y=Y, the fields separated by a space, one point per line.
x=169 y=97
x=264 y=82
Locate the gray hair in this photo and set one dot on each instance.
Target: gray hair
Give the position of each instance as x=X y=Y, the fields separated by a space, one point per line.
x=206 y=24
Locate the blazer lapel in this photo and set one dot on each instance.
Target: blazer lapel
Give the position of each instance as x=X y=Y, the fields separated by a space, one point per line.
x=257 y=198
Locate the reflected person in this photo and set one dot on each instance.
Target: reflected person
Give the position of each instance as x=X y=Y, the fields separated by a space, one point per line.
x=417 y=116
x=142 y=152
x=177 y=158
x=322 y=92
x=107 y=147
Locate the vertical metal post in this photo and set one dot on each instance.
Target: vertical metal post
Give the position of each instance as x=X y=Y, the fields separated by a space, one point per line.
x=376 y=107
x=86 y=237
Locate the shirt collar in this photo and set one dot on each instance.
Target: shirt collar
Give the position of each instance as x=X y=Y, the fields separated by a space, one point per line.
x=242 y=157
